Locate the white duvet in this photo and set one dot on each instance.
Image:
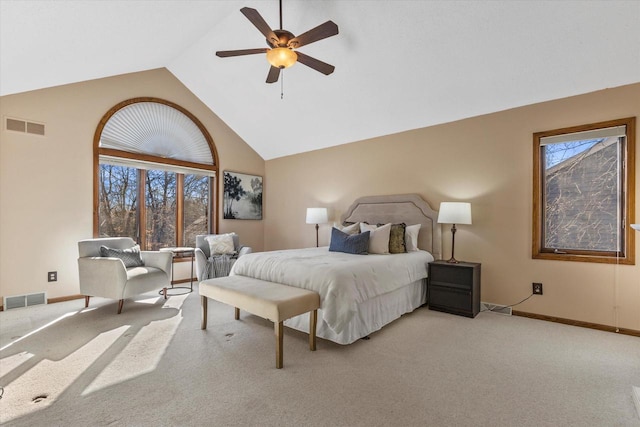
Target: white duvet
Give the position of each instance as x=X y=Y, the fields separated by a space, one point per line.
x=342 y=280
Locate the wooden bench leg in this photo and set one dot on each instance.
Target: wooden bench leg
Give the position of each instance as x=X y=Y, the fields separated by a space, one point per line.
x=313 y=320
x=86 y=301
x=237 y=313
x=203 y=304
x=278 y=330
x=120 y=303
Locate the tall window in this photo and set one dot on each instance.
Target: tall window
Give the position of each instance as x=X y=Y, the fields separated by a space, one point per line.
x=155 y=175
x=584 y=193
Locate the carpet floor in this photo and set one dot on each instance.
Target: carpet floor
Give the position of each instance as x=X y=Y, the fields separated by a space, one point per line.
x=152 y=365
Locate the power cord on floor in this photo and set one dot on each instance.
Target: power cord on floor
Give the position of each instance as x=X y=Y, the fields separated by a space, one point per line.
x=506 y=306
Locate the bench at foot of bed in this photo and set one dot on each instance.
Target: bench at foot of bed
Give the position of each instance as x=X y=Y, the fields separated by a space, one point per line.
x=272 y=301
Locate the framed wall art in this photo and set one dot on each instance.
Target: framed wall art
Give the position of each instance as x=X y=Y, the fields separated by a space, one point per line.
x=242 y=196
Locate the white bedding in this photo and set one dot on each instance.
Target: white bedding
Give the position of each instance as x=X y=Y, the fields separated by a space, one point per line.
x=342 y=280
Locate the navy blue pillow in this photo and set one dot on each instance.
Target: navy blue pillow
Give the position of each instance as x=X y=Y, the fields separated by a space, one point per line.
x=357 y=244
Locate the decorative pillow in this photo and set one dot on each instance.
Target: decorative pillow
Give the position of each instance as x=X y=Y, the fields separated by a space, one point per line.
x=221 y=244
x=131 y=257
x=379 y=239
x=352 y=244
x=350 y=229
x=396 y=238
x=411 y=237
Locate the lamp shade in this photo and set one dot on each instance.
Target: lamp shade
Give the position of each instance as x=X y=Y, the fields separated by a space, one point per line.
x=317 y=216
x=454 y=213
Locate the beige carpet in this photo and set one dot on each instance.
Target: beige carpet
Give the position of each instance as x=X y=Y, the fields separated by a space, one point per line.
x=63 y=365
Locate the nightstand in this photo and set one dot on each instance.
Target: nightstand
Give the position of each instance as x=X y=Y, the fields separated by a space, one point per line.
x=454 y=288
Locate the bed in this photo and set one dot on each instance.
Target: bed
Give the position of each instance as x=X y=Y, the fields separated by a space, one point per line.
x=359 y=294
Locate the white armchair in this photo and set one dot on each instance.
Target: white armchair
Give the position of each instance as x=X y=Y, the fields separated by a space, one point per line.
x=108 y=277
x=207 y=266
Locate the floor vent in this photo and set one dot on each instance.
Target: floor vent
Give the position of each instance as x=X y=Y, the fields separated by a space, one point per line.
x=24 y=126
x=496 y=308
x=27 y=300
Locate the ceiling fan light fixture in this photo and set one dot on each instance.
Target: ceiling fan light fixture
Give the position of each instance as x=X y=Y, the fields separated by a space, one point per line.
x=281 y=57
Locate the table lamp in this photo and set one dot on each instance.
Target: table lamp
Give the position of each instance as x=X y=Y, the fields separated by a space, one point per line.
x=317 y=216
x=454 y=213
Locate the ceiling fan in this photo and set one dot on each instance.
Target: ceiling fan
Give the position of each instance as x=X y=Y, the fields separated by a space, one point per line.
x=282 y=44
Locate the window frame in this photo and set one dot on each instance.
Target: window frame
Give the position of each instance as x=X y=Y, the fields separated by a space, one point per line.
x=626 y=254
x=205 y=169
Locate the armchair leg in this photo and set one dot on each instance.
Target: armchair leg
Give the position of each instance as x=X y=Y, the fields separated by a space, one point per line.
x=120 y=303
x=164 y=292
x=86 y=301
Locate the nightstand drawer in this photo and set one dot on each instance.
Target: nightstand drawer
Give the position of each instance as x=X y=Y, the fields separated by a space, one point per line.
x=452 y=299
x=461 y=277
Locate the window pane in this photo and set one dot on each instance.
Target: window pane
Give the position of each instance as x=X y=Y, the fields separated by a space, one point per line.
x=582 y=195
x=196 y=207
x=117 y=212
x=161 y=209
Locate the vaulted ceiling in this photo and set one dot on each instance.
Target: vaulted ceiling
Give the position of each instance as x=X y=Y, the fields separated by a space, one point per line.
x=400 y=65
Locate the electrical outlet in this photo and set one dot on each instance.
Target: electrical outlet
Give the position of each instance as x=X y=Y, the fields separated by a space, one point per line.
x=537 y=288
x=52 y=276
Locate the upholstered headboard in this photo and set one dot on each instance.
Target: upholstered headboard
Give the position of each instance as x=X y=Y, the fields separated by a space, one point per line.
x=408 y=208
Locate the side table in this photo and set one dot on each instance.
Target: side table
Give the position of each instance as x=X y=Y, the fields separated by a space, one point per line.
x=454 y=287
x=182 y=252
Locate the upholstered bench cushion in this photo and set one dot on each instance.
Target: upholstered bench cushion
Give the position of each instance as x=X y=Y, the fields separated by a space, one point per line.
x=272 y=301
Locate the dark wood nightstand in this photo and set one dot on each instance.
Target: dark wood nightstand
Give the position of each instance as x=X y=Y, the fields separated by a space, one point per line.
x=454 y=288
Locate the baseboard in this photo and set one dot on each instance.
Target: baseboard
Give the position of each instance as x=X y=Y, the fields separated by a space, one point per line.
x=63 y=299
x=582 y=324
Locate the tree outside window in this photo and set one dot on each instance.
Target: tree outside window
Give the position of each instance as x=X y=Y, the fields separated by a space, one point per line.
x=583 y=193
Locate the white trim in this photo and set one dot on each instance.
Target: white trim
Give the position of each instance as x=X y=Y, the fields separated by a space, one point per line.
x=141 y=164
x=616 y=131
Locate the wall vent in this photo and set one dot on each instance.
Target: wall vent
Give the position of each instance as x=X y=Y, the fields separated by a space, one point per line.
x=495 y=308
x=23 y=126
x=27 y=300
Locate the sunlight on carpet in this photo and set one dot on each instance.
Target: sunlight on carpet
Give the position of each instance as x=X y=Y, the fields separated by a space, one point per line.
x=140 y=356
x=48 y=379
x=143 y=353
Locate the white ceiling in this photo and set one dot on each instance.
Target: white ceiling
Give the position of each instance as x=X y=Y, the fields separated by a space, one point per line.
x=400 y=65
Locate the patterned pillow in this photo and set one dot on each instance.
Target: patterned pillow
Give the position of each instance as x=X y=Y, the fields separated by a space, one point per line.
x=357 y=244
x=396 y=238
x=131 y=257
x=221 y=244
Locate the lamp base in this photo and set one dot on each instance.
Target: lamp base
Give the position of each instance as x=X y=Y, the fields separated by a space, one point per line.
x=452 y=260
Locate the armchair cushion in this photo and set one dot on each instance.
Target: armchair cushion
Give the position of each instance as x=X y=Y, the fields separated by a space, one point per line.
x=221 y=244
x=131 y=256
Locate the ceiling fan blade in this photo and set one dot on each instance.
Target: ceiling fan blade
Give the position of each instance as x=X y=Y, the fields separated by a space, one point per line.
x=316 y=64
x=227 y=53
x=320 y=32
x=274 y=74
x=259 y=22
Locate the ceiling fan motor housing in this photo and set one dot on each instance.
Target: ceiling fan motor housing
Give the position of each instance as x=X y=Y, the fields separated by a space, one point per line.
x=283 y=39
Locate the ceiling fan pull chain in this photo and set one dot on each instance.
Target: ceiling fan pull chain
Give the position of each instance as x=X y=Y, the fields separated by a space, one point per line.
x=281 y=85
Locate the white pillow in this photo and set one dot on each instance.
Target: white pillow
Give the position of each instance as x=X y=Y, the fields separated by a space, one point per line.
x=221 y=244
x=379 y=237
x=350 y=229
x=411 y=237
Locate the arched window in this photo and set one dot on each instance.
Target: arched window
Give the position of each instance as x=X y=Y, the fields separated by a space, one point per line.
x=155 y=172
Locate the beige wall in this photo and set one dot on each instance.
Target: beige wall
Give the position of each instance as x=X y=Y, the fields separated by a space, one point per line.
x=46 y=183
x=486 y=160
